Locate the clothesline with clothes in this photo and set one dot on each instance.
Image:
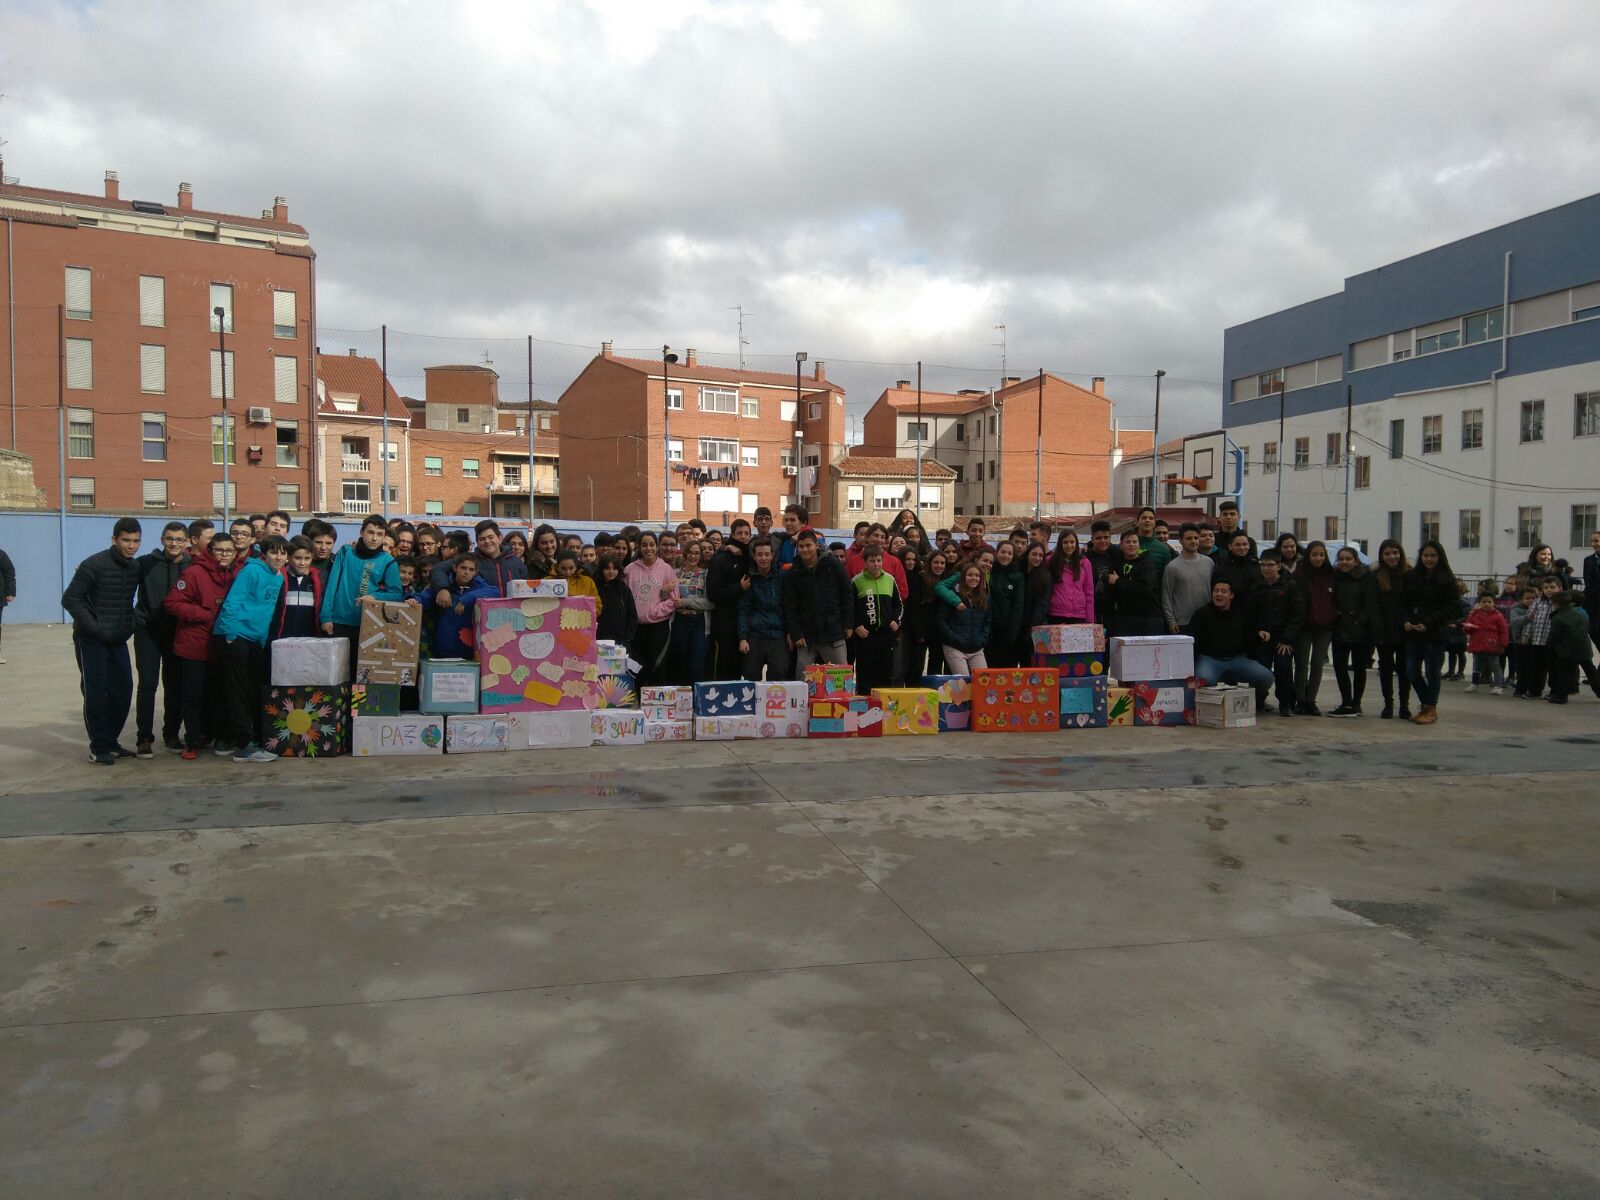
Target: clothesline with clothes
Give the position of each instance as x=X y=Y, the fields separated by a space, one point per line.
x=704 y=476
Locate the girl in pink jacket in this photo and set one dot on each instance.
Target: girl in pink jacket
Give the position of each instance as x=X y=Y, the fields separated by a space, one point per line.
x=654 y=585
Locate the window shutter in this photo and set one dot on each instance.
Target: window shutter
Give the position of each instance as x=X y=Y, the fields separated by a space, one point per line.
x=79 y=292
x=216 y=375
x=216 y=494
x=152 y=368
x=80 y=363
x=152 y=301
x=80 y=487
x=930 y=494
x=888 y=491
x=283 y=313
x=285 y=377
x=155 y=493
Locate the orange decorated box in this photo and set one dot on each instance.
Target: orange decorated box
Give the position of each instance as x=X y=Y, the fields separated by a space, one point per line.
x=1019 y=700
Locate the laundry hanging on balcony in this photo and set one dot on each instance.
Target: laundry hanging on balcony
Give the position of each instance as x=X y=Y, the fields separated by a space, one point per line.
x=704 y=476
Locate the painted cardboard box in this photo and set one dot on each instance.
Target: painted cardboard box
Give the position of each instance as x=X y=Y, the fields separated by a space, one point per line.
x=449 y=685
x=388 y=643
x=310 y=662
x=725 y=698
x=908 y=712
x=1073 y=666
x=1119 y=706
x=667 y=703
x=718 y=729
x=617 y=727
x=536 y=653
x=955 y=701
x=1017 y=700
x=774 y=727
x=615 y=691
x=375 y=700
x=845 y=716
x=669 y=731
x=1225 y=707
x=783 y=700
x=464 y=734
x=1163 y=702
x=611 y=658
x=410 y=733
x=567 y=729
x=1136 y=659
x=521 y=589
x=306 y=722
x=1084 y=703
x=1069 y=639
x=822 y=680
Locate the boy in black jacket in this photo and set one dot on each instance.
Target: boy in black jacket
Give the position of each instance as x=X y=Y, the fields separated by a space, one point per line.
x=1281 y=613
x=1134 y=587
x=153 y=631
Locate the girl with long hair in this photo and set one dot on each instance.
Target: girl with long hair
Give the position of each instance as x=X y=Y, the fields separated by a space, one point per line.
x=1069 y=600
x=654 y=585
x=1432 y=605
x=964 y=620
x=1315 y=577
x=1388 y=632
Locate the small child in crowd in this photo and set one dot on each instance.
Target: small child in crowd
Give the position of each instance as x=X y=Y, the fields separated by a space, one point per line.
x=453 y=608
x=1487 y=637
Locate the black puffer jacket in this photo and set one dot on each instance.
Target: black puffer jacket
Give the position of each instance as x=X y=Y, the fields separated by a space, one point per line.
x=8 y=578
x=157 y=574
x=728 y=567
x=1389 y=608
x=816 y=601
x=100 y=597
x=1355 y=599
x=1432 y=601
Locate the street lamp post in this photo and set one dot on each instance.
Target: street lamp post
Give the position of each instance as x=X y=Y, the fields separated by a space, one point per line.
x=1155 y=449
x=667 y=359
x=800 y=356
x=222 y=366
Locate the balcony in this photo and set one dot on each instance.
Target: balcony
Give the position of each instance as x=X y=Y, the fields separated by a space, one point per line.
x=510 y=485
x=357 y=508
x=352 y=464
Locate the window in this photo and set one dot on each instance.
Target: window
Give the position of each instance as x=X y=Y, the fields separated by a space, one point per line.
x=469 y=468
x=961 y=431
x=1472 y=429
x=1427 y=527
x=719 y=400
x=786 y=411
x=511 y=475
x=675 y=449
x=1533 y=420
x=80 y=433
x=1269 y=530
x=811 y=460
x=1444 y=339
x=79 y=298
x=718 y=450
x=1530 y=527
x=1470 y=528
x=154 y=492
x=153 y=437
x=1396 y=525
x=994 y=424
x=888 y=495
x=1432 y=434
x=1302 y=453
x=786 y=458
x=288 y=444
x=388 y=451
x=814 y=410
x=224 y=439
x=1484 y=326
x=916 y=431
x=80 y=364
x=283 y=321
x=855 y=496
x=960 y=473
x=80 y=493
x=221 y=297
x=748 y=503
x=216 y=495
x=472 y=509
x=222 y=374
x=394 y=493
x=1397 y=440
x=433 y=508
x=1586 y=414
x=1363 y=471
x=1330 y=528
x=1302 y=528
x=152 y=369
x=1334 y=452
x=1269 y=382
x=1140 y=483
x=749 y=406
x=1169 y=491
x=285 y=378
x=544 y=424
x=152 y=301
x=432 y=465
x=931 y=497
x=750 y=456
x=675 y=501
x=1583 y=524
x=289 y=497
x=1269 y=458
x=463 y=416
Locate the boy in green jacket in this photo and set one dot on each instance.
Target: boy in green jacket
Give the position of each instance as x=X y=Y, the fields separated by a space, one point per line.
x=1569 y=649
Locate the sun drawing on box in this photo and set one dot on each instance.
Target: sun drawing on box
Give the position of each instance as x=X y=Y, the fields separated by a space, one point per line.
x=304 y=726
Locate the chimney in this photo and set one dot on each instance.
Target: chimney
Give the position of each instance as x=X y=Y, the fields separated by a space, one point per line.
x=280 y=210
x=1097 y=385
x=1010 y=379
x=901 y=384
x=605 y=349
x=111 y=185
x=352 y=351
x=690 y=359
x=820 y=371
x=185 y=198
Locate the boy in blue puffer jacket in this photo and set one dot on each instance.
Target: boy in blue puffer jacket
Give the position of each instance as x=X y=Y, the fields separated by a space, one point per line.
x=243 y=628
x=453 y=609
x=762 y=642
x=361 y=571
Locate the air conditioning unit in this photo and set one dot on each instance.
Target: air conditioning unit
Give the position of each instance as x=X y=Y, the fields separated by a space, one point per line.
x=259 y=416
x=791 y=472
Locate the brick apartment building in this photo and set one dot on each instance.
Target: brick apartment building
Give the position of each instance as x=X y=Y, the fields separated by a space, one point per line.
x=869 y=488
x=989 y=440
x=351 y=445
x=733 y=440
x=115 y=340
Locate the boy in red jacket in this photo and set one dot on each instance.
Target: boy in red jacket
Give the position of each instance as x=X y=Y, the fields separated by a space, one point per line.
x=195 y=601
x=1487 y=637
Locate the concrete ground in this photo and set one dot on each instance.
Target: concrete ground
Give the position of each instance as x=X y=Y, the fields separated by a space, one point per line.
x=1312 y=959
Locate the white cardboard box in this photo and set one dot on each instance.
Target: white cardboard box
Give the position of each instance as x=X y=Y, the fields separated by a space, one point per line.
x=667 y=703
x=538 y=587
x=669 y=731
x=617 y=727
x=551 y=730
x=769 y=727
x=783 y=701
x=409 y=733
x=310 y=662
x=471 y=734
x=1136 y=659
x=1225 y=707
x=720 y=729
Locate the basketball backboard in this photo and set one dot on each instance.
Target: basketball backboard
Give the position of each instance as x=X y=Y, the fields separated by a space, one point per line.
x=1206 y=461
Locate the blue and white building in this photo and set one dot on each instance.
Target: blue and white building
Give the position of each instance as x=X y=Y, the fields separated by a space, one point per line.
x=1451 y=395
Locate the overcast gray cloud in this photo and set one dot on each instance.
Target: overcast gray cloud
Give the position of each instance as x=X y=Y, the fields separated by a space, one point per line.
x=876 y=181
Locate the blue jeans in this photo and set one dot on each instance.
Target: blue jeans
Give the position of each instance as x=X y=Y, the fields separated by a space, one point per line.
x=1241 y=668
x=106 y=677
x=1424 y=660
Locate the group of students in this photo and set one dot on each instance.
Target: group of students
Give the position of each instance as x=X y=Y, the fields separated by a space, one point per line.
x=765 y=601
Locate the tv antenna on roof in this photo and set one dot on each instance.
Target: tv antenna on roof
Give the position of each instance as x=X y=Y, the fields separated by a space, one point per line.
x=739 y=308
x=1001 y=329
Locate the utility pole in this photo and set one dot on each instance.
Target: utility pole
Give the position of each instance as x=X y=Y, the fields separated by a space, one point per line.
x=918 y=506
x=739 y=308
x=1155 y=449
x=383 y=401
x=532 y=496
x=222 y=366
x=667 y=359
x=1001 y=329
x=1038 y=452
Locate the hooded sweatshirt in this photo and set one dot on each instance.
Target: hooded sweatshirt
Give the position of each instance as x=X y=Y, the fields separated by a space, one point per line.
x=647 y=583
x=251 y=604
x=194 y=602
x=358 y=572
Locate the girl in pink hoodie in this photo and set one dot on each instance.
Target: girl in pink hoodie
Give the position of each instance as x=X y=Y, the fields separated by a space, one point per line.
x=654 y=585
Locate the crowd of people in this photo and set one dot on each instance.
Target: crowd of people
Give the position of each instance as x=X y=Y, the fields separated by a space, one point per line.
x=767 y=600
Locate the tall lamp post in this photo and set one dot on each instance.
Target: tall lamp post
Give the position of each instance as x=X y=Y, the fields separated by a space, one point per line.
x=222 y=366
x=667 y=359
x=1155 y=449
x=800 y=356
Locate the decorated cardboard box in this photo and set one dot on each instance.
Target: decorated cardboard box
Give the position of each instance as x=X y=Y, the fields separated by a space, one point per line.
x=908 y=711
x=1016 y=700
x=783 y=700
x=669 y=731
x=1225 y=707
x=520 y=589
x=1074 y=666
x=1163 y=701
x=1119 y=706
x=667 y=703
x=774 y=727
x=464 y=734
x=1083 y=703
x=567 y=729
x=449 y=685
x=611 y=658
x=617 y=727
x=536 y=653
x=410 y=733
x=725 y=698
x=306 y=722
x=1136 y=659
x=955 y=701
x=718 y=729
x=375 y=700
x=388 y=643
x=822 y=680
x=1069 y=639
x=615 y=691
x=845 y=716
x=310 y=662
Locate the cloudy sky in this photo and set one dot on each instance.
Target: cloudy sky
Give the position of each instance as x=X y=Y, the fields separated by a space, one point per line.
x=876 y=180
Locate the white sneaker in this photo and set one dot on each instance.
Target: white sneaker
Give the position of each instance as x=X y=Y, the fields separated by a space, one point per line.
x=1471 y=687
x=1497 y=691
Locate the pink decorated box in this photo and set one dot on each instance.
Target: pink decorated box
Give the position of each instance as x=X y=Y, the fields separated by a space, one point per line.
x=536 y=652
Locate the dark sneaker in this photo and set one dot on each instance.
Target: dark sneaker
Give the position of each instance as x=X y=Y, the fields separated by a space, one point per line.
x=1346 y=710
x=103 y=760
x=1310 y=709
x=223 y=749
x=124 y=752
x=145 y=750
x=172 y=745
x=1388 y=713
